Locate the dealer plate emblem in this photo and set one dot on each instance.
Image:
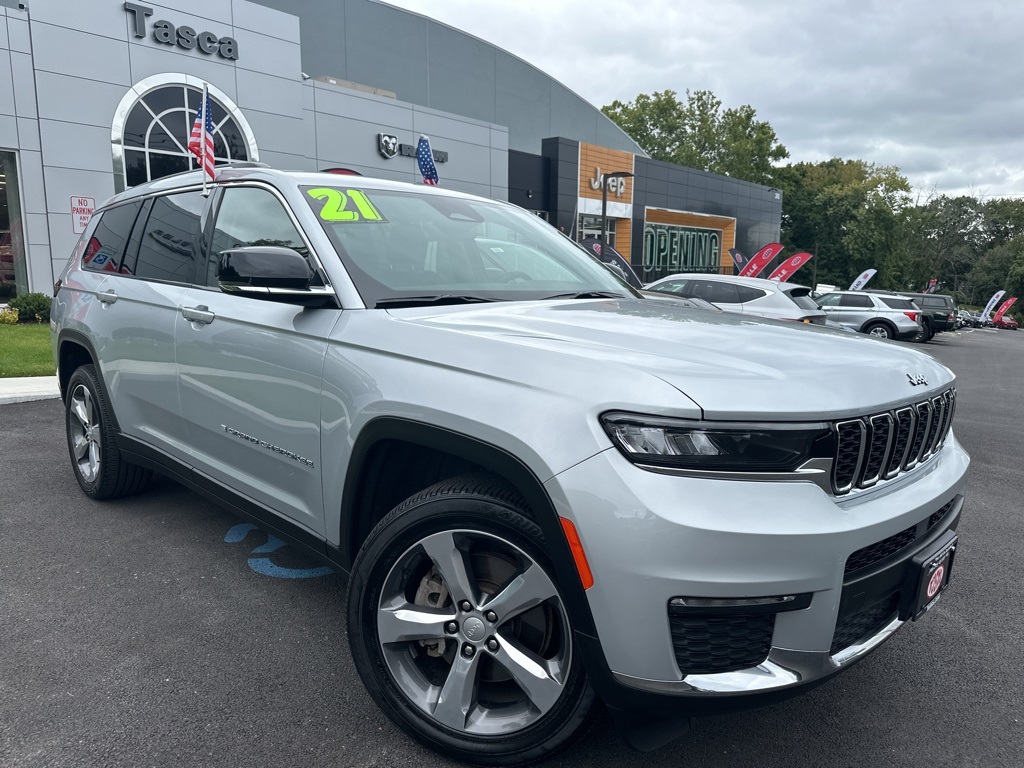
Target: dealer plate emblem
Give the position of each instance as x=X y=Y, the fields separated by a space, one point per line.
x=936 y=581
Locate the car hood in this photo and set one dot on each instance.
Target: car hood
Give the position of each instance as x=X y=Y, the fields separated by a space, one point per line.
x=732 y=366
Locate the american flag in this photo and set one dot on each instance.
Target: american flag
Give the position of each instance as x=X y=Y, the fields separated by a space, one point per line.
x=204 y=154
x=425 y=158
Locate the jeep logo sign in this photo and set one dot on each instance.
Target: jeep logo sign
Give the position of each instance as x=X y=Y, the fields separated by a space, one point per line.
x=183 y=36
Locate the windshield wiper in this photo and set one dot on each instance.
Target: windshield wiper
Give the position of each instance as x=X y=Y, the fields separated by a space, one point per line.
x=588 y=295
x=439 y=299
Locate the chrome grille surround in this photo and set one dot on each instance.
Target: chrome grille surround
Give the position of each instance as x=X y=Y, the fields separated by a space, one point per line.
x=883 y=446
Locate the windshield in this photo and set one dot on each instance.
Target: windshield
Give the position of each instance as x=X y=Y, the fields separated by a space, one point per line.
x=400 y=245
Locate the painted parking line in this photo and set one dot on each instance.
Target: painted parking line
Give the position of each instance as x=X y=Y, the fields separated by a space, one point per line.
x=266 y=566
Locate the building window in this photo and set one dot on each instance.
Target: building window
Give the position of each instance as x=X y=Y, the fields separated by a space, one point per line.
x=590 y=226
x=153 y=124
x=13 y=266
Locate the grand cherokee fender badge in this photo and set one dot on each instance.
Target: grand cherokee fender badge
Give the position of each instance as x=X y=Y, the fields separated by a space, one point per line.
x=915 y=380
x=268 y=446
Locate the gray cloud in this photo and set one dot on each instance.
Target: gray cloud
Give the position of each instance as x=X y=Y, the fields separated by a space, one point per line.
x=930 y=86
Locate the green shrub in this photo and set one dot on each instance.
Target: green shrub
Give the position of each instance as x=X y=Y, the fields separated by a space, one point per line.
x=32 y=306
x=8 y=316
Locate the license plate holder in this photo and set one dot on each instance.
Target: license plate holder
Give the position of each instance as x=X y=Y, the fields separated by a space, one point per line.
x=929 y=575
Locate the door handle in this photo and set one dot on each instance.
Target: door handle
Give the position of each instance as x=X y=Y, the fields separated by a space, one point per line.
x=107 y=297
x=200 y=314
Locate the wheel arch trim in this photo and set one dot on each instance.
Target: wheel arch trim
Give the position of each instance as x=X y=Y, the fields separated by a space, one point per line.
x=492 y=459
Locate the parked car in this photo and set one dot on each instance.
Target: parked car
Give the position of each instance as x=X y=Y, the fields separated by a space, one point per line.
x=1007 y=323
x=547 y=490
x=746 y=295
x=879 y=315
x=938 y=312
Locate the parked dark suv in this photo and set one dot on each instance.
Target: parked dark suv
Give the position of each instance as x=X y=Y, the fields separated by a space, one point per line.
x=938 y=312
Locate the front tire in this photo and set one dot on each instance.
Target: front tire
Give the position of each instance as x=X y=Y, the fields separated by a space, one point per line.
x=101 y=471
x=458 y=629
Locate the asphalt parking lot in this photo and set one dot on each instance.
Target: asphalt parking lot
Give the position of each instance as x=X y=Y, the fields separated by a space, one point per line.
x=161 y=631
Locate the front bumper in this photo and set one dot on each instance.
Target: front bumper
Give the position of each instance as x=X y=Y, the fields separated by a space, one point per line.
x=650 y=538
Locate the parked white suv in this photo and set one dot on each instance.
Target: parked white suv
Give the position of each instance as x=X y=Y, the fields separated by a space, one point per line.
x=547 y=490
x=746 y=295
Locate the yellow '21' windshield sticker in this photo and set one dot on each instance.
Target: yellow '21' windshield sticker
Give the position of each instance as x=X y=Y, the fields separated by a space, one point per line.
x=341 y=207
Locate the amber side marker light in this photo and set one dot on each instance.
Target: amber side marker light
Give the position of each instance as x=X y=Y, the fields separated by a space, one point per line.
x=582 y=566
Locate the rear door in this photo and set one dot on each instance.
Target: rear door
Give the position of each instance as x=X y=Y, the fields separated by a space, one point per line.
x=145 y=280
x=250 y=369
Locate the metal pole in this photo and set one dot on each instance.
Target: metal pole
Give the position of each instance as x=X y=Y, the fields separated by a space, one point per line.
x=604 y=208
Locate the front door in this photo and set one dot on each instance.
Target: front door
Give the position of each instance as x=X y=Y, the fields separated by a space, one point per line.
x=249 y=371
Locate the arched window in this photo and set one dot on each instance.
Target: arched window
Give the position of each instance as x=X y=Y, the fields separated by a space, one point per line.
x=153 y=123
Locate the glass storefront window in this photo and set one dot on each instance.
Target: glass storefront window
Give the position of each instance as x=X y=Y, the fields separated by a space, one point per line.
x=590 y=226
x=13 y=265
x=669 y=249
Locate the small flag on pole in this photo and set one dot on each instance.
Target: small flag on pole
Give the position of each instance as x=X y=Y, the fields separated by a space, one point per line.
x=200 y=143
x=425 y=158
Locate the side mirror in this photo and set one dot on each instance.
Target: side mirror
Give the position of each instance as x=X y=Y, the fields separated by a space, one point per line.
x=261 y=267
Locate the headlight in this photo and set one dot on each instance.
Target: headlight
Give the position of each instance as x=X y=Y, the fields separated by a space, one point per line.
x=721 y=446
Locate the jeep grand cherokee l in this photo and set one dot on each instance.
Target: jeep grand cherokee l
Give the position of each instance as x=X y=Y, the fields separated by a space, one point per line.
x=548 y=492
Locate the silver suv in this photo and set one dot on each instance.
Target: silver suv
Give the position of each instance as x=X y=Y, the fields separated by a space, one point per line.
x=882 y=315
x=547 y=490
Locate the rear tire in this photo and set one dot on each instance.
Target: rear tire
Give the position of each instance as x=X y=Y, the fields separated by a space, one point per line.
x=879 y=331
x=100 y=469
x=496 y=689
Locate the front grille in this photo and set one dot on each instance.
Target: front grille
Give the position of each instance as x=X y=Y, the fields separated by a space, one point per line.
x=864 y=623
x=936 y=516
x=874 y=553
x=867 y=556
x=706 y=644
x=882 y=446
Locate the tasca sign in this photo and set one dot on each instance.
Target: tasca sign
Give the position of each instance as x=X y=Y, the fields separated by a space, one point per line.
x=184 y=36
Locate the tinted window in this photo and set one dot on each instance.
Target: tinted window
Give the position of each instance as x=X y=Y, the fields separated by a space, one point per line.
x=106 y=248
x=857 y=300
x=251 y=216
x=169 y=247
x=894 y=303
x=715 y=292
x=748 y=293
x=829 y=300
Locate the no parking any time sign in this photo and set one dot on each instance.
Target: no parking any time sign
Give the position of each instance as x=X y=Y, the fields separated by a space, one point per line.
x=81 y=210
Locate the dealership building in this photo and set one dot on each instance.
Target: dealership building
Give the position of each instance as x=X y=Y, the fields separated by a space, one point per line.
x=100 y=95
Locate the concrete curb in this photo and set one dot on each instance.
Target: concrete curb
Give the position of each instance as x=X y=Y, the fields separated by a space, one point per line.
x=28 y=388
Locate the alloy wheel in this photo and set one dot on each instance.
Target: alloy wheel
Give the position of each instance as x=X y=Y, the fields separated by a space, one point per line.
x=474 y=633
x=84 y=427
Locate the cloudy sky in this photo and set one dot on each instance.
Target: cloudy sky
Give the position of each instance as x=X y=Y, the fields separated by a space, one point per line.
x=935 y=87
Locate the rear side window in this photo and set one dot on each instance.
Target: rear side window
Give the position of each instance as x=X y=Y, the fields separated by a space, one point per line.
x=715 y=292
x=894 y=303
x=105 y=249
x=857 y=300
x=747 y=293
x=169 y=248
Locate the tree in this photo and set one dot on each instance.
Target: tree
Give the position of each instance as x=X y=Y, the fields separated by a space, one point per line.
x=699 y=134
x=851 y=213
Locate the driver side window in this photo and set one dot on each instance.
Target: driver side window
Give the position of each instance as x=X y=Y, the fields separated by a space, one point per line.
x=252 y=216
